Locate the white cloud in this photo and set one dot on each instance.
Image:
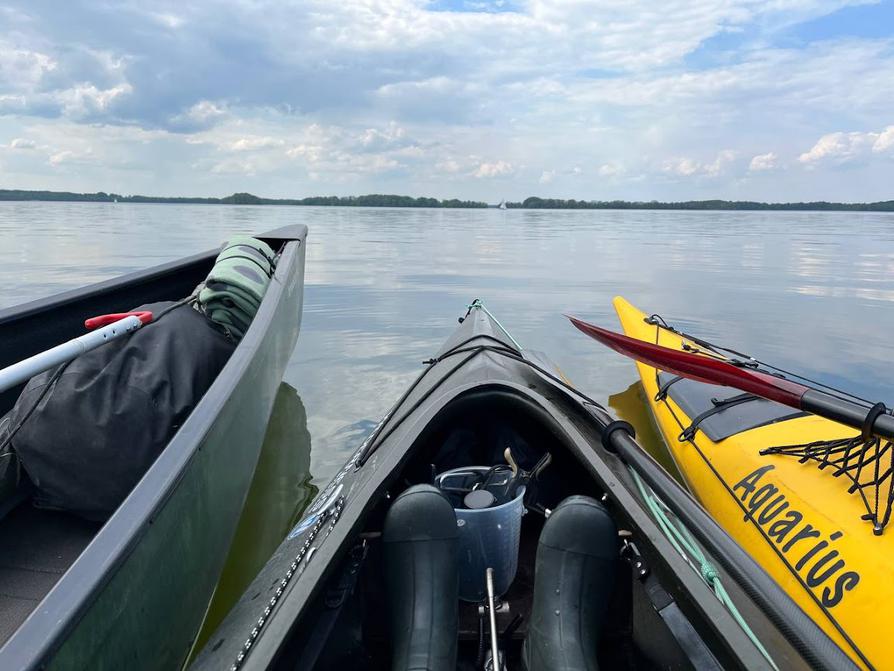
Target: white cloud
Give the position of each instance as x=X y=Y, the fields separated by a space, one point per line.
x=885 y=141
x=544 y=34
x=682 y=166
x=688 y=167
x=204 y=111
x=494 y=169
x=234 y=166
x=375 y=138
x=763 y=162
x=718 y=166
x=68 y=80
x=22 y=143
x=78 y=153
x=783 y=90
x=610 y=170
x=168 y=20
x=547 y=176
x=22 y=68
x=12 y=104
x=839 y=148
x=410 y=151
x=61 y=157
x=309 y=152
x=450 y=166
x=318 y=152
x=86 y=99
x=374 y=164
x=253 y=143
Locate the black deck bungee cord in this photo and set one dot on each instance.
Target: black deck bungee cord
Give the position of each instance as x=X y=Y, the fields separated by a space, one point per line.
x=746 y=360
x=509 y=352
x=378 y=437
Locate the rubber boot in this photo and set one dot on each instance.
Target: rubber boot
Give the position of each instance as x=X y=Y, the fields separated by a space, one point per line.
x=573 y=579
x=421 y=554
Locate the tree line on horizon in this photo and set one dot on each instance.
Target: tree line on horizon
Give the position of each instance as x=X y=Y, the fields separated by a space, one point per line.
x=535 y=203
x=390 y=200
x=370 y=200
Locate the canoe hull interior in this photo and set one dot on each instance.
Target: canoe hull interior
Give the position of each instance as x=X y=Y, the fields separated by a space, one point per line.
x=135 y=598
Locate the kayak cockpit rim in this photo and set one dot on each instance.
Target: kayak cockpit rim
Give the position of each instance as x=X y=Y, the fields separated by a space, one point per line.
x=465 y=347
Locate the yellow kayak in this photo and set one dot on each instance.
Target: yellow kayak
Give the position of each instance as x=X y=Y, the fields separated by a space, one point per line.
x=798 y=521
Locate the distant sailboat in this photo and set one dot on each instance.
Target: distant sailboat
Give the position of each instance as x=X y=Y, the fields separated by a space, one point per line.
x=502 y=205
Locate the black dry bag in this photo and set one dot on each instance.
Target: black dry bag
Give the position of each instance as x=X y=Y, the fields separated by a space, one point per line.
x=112 y=411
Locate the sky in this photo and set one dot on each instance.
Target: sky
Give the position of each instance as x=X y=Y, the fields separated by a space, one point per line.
x=481 y=99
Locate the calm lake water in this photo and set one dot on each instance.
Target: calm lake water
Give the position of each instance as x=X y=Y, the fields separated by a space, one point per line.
x=812 y=292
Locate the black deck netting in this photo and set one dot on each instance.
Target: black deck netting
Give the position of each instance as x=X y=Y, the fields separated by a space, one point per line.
x=867 y=462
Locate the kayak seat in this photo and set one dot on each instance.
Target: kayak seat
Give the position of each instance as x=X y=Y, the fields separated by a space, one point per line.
x=420 y=543
x=573 y=579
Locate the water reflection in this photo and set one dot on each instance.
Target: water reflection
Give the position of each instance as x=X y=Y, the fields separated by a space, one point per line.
x=280 y=490
x=631 y=406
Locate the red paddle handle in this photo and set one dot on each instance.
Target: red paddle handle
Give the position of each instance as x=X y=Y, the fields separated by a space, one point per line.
x=104 y=320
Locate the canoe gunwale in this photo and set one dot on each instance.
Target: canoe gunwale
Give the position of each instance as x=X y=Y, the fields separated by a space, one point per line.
x=22 y=311
x=47 y=628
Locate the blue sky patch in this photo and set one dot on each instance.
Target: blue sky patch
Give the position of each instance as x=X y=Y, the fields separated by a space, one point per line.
x=866 y=21
x=486 y=6
x=723 y=48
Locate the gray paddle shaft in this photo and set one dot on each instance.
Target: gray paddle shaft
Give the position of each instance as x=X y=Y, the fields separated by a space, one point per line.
x=28 y=368
x=492 y=616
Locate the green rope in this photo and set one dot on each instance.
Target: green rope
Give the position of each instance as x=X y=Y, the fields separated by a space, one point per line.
x=683 y=542
x=477 y=304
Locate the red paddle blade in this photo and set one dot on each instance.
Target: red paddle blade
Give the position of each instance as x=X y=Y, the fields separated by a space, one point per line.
x=697 y=367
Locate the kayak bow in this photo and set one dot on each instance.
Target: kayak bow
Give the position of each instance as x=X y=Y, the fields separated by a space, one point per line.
x=752 y=463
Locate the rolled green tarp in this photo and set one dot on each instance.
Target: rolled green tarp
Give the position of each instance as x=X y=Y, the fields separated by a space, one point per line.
x=236 y=285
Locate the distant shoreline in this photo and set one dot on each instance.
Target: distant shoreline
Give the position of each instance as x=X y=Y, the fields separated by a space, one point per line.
x=387 y=200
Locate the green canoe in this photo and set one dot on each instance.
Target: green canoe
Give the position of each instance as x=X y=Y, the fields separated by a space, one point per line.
x=132 y=593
